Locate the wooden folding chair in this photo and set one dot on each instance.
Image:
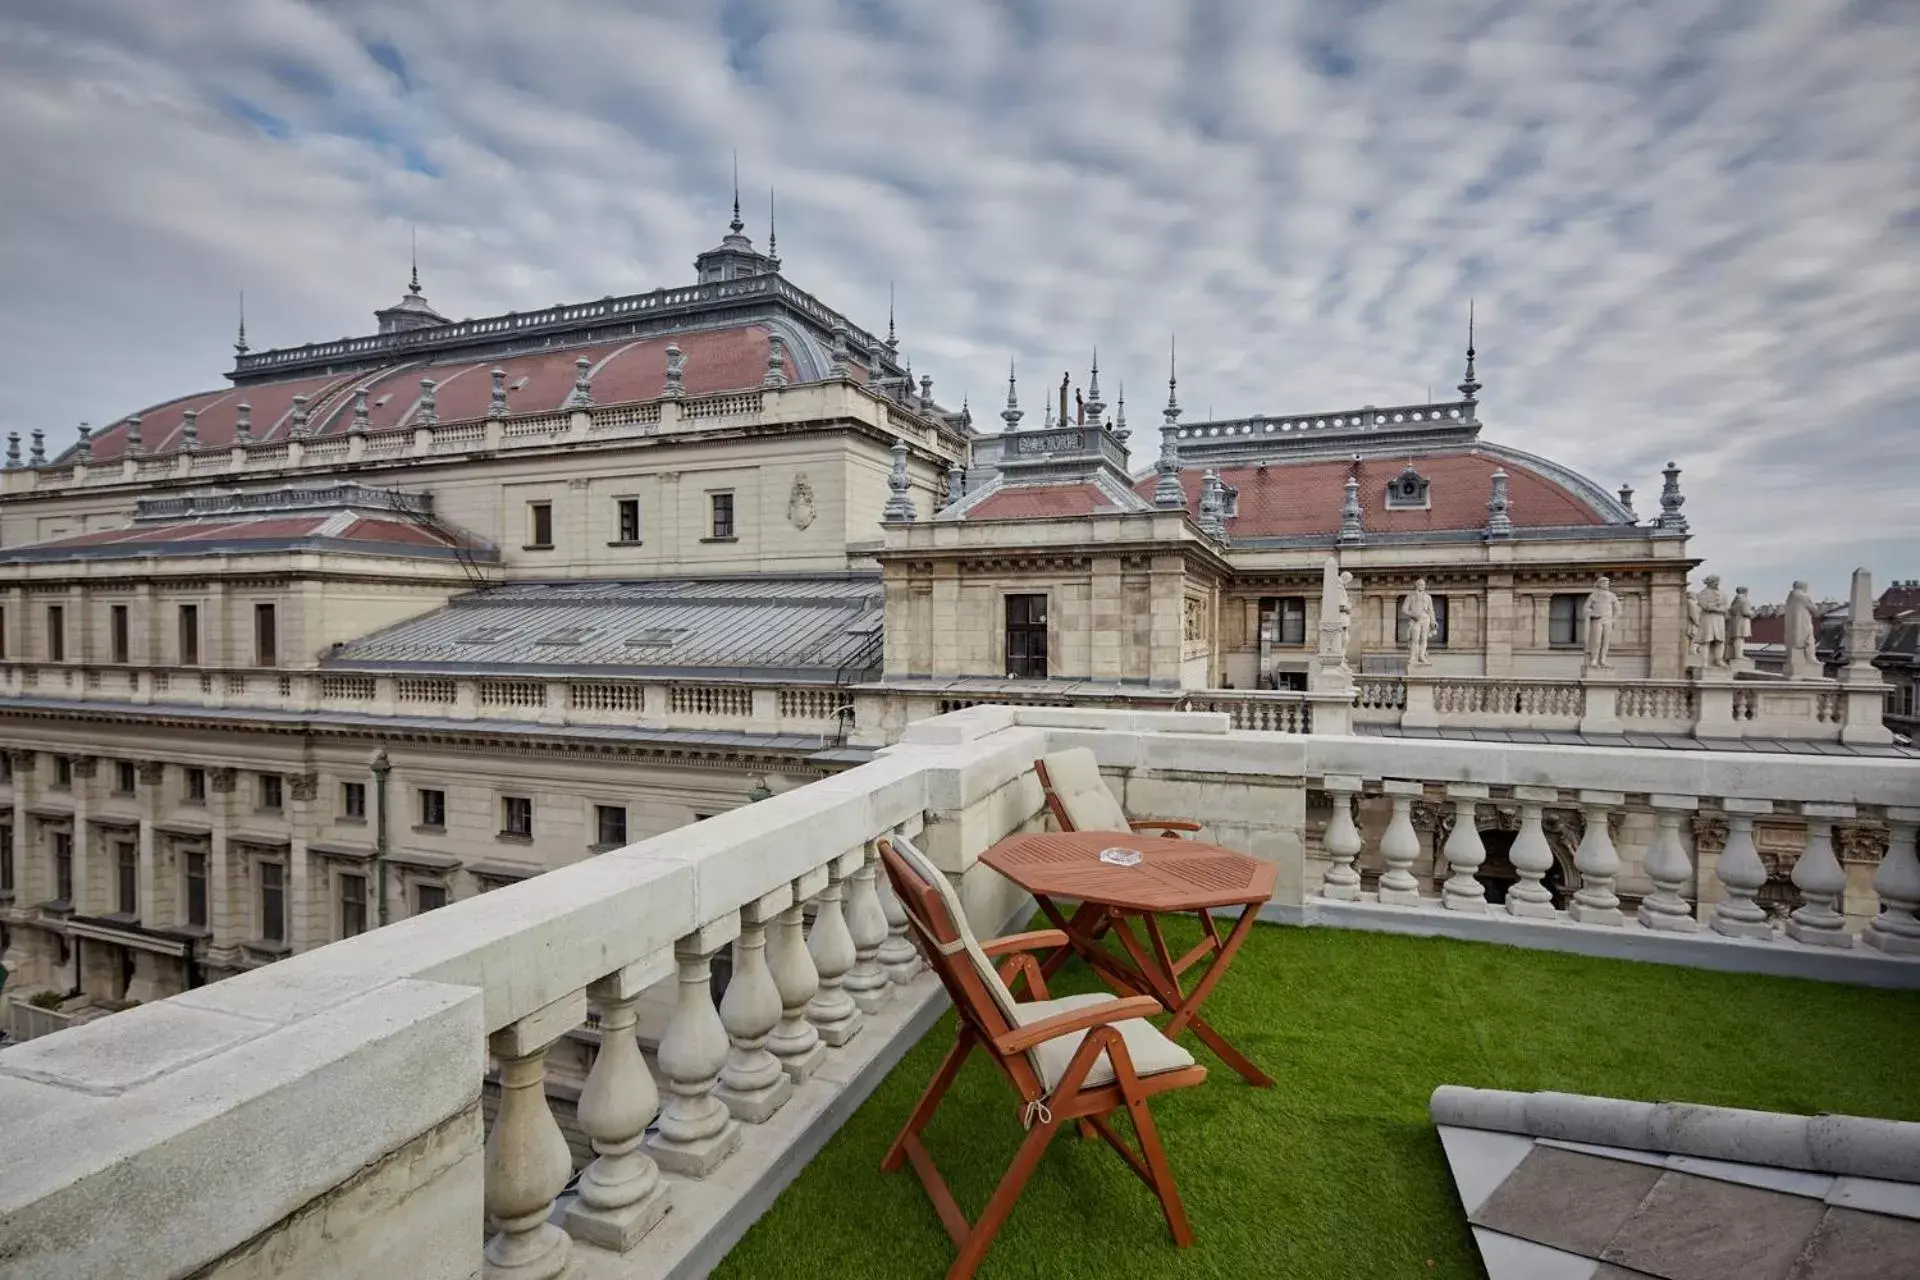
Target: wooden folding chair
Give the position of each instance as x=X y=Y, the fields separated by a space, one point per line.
x=1076 y=1058
x=1080 y=801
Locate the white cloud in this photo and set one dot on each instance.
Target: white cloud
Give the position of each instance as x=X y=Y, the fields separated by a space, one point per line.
x=1690 y=227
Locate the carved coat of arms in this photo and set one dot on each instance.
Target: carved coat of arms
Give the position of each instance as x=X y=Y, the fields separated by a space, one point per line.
x=800 y=508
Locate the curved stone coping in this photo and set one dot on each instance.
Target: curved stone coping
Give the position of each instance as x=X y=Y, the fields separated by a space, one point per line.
x=1856 y=1145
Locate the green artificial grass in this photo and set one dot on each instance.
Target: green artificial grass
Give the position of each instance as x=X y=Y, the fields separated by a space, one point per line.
x=1336 y=1171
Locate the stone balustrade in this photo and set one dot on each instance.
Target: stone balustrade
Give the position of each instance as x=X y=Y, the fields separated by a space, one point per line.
x=364 y=1058
x=415 y=442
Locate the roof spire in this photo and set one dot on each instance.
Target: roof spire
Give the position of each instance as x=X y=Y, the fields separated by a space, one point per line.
x=1470 y=388
x=736 y=226
x=893 y=340
x=240 y=343
x=773 y=236
x=413 y=237
x=1012 y=414
x=1172 y=412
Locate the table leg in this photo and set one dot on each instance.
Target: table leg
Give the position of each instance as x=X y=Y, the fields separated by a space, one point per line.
x=1186 y=1008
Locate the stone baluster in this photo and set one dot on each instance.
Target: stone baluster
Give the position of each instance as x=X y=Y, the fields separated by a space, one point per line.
x=1670 y=869
x=833 y=1013
x=1400 y=845
x=867 y=982
x=898 y=956
x=1597 y=862
x=795 y=1042
x=1896 y=930
x=1465 y=852
x=1741 y=873
x=1821 y=880
x=1341 y=841
x=1531 y=857
x=527 y=1161
x=752 y=1083
x=696 y=1131
x=622 y=1196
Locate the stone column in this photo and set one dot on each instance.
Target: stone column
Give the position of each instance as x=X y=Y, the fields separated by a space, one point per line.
x=1821 y=881
x=898 y=956
x=832 y=1011
x=1896 y=882
x=752 y=1083
x=85 y=892
x=795 y=1042
x=866 y=981
x=1531 y=857
x=1342 y=840
x=696 y=1133
x=1742 y=874
x=1400 y=845
x=153 y=777
x=1464 y=851
x=622 y=1196
x=1668 y=866
x=1597 y=862
x=302 y=789
x=223 y=943
x=527 y=1158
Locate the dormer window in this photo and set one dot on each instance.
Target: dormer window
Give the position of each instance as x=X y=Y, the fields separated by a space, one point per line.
x=1408 y=491
x=1229 y=502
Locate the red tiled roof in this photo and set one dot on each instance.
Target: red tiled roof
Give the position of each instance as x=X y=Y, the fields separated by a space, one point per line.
x=271 y=529
x=1295 y=499
x=1770 y=628
x=1029 y=502
x=718 y=360
x=1901 y=597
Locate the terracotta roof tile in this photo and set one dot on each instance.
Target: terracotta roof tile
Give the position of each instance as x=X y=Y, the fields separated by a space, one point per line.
x=1029 y=502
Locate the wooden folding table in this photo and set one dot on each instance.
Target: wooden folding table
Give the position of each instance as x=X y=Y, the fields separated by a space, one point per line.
x=1172 y=876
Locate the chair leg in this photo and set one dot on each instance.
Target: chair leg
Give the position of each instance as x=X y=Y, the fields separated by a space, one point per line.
x=1156 y=1157
x=930 y=1100
x=988 y=1224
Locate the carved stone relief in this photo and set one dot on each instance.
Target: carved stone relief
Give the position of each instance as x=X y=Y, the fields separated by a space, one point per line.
x=800 y=505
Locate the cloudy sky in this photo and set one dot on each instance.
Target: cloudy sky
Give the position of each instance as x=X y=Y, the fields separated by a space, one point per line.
x=1692 y=228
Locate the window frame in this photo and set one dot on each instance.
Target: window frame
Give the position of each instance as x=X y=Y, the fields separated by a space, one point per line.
x=421 y=888
x=266 y=639
x=353 y=801
x=539 y=514
x=271 y=874
x=193 y=784
x=56 y=633
x=516 y=823
x=119 y=635
x=197 y=898
x=7 y=888
x=1022 y=660
x=349 y=903
x=601 y=815
x=126 y=870
x=63 y=867
x=626 y=522
x=428 y=822
x=270 y=793
x=126 y=778
x=1283 y=610
x=1575 y=621
x=62 y=774
x=186 y=637
x=719 y=529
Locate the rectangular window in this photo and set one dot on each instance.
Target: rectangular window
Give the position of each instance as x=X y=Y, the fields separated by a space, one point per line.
x=196 y=886
x=63 y=866
x=433 y=808
x=6 y=766
x=189 y=635
x=353 y=905
x=196 y=786
x=125 y=777
x=722 y=514
x=56 y=633
x=1565 y=625
x=266 y=637
x=271 y=793
x=539 y=524
x=1287 y=618
x=428 y=897
x=63 y=773
x=1403 y=625
x=516 y=816
x=1027 y=637
x=6 y=859
x=117 y=633
x=273 y=902
x=353 y=801
x=610 y=821
x=629 y=511
x=3 y=631
x=126 y=863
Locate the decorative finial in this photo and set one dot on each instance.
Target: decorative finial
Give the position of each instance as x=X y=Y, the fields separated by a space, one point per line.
x=1470 y=387
x=298 y=428
x=966 y=410
x=1172 y=412
x=38 y=456
x=134 y=445
x=956 y=482
x=1212 y=506
x=839 y=357
x=581 y=397
x=359 y=427
x=190 y=428
x=413 y=252
x=83 y=452
x=676 y=372
x=926 y=391
x=1499 y=519
x=773 y=236
x=776 y=375
x=1012 y=414
x=899 y=508
x=1670 y=520
x=1095 y=406
x=893 y=340
x=1351 y=532
x=240 y=342
x=497 y=402
x=736 y=226
x=13 y=449
x=1626 y=499
x=243 y=423
x=428 y=411
x=1120 y=431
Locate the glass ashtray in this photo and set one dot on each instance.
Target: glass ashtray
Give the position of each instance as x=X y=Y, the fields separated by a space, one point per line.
x=1120 y=857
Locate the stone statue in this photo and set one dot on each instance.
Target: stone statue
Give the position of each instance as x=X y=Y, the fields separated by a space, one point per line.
x=1417 y=608
x=1712 y=626
x=1739 y=625
x=1336 y=622
x=1802 y=629
x=1602 y=606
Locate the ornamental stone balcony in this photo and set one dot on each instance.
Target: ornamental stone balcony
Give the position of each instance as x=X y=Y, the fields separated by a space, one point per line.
x=324 y=1115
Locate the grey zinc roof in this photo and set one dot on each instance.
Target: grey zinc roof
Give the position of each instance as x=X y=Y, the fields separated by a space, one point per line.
x=749 y=627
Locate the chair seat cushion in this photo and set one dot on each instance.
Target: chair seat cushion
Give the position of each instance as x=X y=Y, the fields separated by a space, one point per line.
x=1151 y=1052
